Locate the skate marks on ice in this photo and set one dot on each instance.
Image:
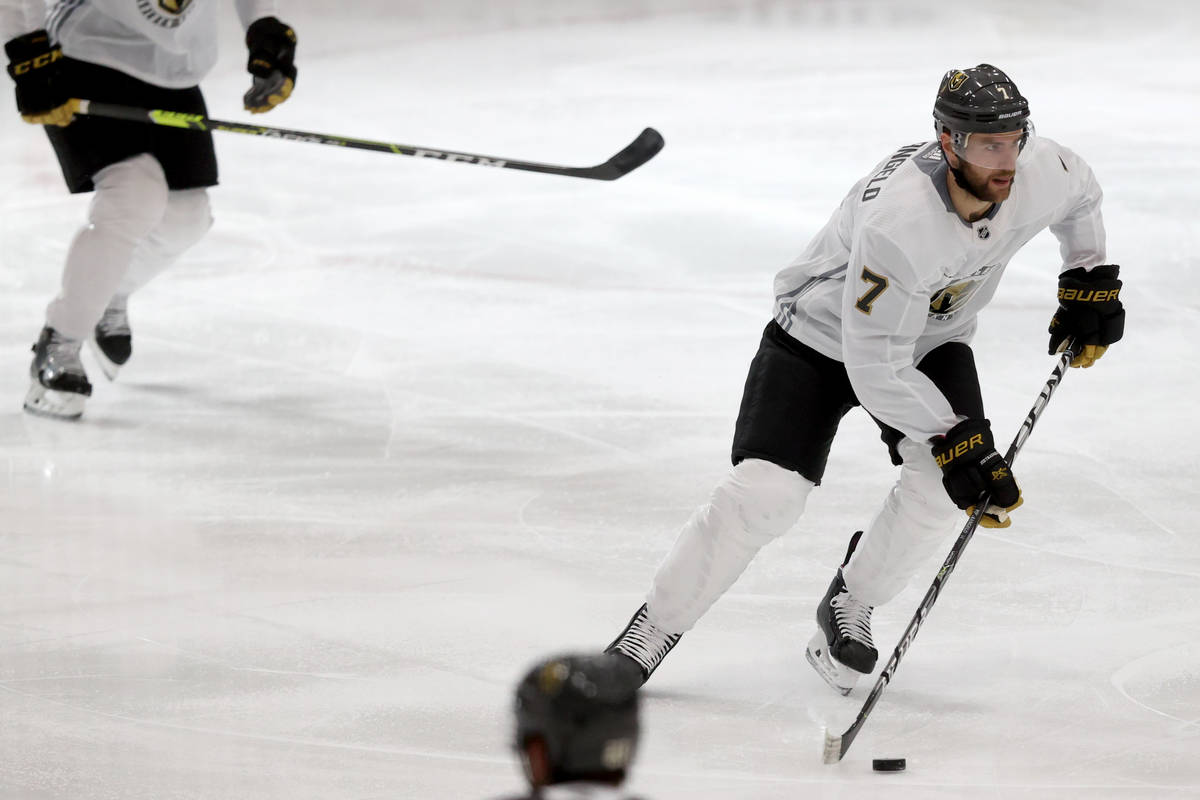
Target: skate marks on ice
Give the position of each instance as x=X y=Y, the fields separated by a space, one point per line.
x=1165 y=682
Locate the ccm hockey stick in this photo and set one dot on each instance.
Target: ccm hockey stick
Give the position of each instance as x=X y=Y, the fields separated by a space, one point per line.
x=836 y=746
x=638 y=152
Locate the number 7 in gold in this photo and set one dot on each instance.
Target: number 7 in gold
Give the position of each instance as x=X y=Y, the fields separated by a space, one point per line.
x=878 y=283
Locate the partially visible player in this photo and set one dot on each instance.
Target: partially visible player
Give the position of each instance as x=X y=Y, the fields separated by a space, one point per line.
x=577 y=726
x=879 y=311
x=149 y=183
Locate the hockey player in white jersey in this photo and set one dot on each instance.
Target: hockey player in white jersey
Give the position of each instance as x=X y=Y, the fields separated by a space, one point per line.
x=149 y=183
x=879 y=311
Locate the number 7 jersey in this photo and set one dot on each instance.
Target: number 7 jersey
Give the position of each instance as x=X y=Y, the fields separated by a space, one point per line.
x=897 y=272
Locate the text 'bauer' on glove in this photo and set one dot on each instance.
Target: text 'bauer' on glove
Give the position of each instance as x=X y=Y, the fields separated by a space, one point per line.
x=971 y=468
x=272 y=46
x=35 y=64
x=1090 y=310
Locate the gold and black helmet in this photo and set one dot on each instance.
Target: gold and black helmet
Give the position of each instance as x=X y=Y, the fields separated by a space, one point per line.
x=980 y=99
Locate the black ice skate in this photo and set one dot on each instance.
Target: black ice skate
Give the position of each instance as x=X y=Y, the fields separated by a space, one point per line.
x=841 y=651
x=60 y=386
x=644 y=644
x=112 y=343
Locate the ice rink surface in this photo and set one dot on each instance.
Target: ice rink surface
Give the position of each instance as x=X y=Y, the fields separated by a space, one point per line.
x=397 y=429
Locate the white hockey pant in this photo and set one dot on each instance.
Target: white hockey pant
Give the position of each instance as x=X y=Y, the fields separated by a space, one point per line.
x=754 y=504
x=916 y=517
x=135 y=228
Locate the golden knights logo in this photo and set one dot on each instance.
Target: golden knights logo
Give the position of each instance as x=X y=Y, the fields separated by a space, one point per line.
x=946 y=301
x=956 y=81
x=949 y=300
x=165 y=13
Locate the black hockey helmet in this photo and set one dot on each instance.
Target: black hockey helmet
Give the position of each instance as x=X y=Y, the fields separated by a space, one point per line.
x=577 y=719
x=980 y=99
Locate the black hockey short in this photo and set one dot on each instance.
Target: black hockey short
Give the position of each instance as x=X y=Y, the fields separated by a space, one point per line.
x=89 y=144
x=795 y=398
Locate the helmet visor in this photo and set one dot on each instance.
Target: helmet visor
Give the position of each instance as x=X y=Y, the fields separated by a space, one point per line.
x=992 y=150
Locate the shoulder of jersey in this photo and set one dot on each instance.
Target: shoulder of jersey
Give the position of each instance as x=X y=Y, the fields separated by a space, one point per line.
x=905 y=195
x=1050 y=164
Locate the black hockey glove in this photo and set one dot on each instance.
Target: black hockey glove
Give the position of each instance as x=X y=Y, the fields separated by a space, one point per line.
x=36 y=66
x=971 y=468
x=1089 y=309
x=272 y=47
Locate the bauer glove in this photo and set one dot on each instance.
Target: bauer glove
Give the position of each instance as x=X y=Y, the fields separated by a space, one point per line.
x=272 y=47
x=1090 y=310
x=971 y=468
x=36 y=66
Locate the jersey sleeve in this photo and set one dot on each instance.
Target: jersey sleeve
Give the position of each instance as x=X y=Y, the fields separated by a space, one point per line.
x=250 y=10
x=1080 y=231
x=19 y=17
x=884 y=311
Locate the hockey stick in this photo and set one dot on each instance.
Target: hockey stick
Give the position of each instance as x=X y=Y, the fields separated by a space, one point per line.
x=836 y=746
x=638 y=152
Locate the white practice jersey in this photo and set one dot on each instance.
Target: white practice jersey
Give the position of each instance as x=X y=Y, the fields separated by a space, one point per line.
x=168 y=43
x=897 y=272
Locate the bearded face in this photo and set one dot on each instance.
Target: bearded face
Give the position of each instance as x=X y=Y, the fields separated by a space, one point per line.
x=985 y=165
x=989 y=185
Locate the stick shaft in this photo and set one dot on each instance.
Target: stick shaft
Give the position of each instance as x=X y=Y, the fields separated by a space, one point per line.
x=638 y=152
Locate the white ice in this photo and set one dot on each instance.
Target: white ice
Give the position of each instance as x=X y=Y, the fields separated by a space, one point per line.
x=399 y=428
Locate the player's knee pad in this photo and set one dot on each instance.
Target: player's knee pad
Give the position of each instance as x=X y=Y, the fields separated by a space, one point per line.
x=763 y=499
x=130 y=198
x=187 y=217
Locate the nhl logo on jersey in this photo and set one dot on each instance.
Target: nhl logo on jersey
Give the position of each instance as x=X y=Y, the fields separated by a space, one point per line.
x=174 y=6
x=983 y=232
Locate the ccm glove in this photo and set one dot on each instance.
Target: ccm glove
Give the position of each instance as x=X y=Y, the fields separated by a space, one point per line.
x=36 y=66
x=272 y=47
x=971 y=468
x=1090 y=310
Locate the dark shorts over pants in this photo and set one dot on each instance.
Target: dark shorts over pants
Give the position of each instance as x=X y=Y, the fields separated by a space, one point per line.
x=89 y=144
x=795 y=398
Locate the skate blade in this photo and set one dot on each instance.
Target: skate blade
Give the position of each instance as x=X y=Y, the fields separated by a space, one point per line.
x=54 y=404
x=837 y=675
x=109 y=367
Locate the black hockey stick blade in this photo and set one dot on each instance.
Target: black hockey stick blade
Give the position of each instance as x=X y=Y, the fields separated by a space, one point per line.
x=645 y=147
x=636 y=153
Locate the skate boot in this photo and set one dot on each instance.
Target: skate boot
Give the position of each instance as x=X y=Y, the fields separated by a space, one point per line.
x=841 y=651
x=60 y=386
x=112 y=342
x=644 y=644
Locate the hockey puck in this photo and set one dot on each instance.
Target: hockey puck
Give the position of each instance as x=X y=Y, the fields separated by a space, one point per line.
x=888 y=764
